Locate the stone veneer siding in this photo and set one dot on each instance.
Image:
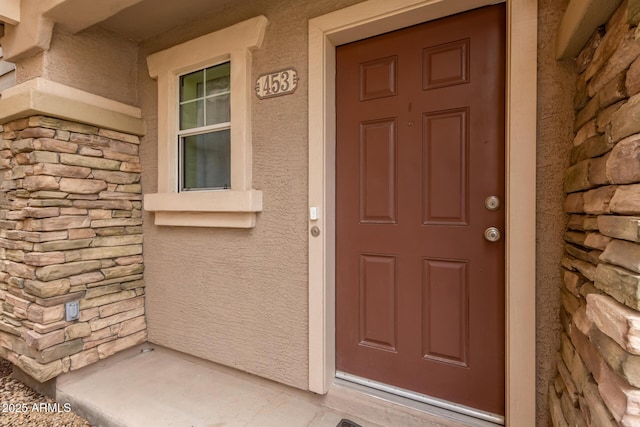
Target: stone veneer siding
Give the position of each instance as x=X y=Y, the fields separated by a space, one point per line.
x=70 y=230
x=598 y=366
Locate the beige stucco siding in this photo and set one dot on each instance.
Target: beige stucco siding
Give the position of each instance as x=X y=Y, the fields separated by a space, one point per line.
x=108 y=63
x=95 y=60
x=239 y=297
x=555 y=123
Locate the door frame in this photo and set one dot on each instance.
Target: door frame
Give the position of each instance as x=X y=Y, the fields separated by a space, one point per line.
x=374 y=17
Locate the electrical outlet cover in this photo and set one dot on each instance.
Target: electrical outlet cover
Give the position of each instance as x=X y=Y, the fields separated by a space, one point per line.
x=72 y=311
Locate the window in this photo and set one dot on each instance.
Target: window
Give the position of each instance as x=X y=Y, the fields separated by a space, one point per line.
x=204 y=136
x=204 y=130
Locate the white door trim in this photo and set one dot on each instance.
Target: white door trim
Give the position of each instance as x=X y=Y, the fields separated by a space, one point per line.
x=375 y=17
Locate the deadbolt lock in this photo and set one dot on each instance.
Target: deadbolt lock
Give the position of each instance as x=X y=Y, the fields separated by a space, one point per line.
x=492 y=203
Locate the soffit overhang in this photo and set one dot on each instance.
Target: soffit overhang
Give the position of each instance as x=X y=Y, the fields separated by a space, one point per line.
x=580 y=20
x=28 y=24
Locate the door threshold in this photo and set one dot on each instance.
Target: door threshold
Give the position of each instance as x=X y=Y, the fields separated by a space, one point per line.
x=456 y=412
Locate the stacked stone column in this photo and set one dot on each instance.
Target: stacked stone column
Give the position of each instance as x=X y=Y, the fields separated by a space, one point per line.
x=70 y=230
x=598 y=366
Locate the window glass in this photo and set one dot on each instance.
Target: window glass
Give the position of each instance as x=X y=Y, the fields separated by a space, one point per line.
x=192 y=115
x=207 y=160
x=218 y=109
x=218 y=79
x=205 y=97
x=192 y=86
x=204 y=136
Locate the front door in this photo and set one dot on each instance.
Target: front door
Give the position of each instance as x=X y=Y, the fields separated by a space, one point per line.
x=420 y=148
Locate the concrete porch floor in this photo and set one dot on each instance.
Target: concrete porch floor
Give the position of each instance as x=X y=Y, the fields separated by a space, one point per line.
x=153 y=386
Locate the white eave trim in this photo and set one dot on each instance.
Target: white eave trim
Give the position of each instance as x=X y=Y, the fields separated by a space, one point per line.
x=47 y=98
x=10 y=11
x=579 y=21
x=73 y=16
x=247 y=34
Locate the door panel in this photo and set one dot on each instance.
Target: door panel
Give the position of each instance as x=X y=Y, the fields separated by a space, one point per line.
x=378 y=288
x=420 y=145
x=378 y=187
x=445 y=167
x=445 y=302
x=445 y=65
x=378 y=78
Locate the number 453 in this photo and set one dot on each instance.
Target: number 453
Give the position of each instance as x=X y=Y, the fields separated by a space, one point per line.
x=278 y=83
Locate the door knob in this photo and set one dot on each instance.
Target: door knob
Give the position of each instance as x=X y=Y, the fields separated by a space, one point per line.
x=492 y=234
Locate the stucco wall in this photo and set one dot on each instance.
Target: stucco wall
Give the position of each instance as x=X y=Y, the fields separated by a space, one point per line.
x=95 y=60
x=239 y=297
x=556 y=88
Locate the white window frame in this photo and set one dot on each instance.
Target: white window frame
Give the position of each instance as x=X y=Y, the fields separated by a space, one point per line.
x=197 y=130
x=237 y=207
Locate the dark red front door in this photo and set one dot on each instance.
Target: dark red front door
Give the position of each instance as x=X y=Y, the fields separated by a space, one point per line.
x=420 y=146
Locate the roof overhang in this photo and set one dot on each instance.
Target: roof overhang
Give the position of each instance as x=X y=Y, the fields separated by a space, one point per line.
x=29 y=24
x=578 y=23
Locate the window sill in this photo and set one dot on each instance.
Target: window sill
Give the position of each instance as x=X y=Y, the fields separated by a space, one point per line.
x=224 y=208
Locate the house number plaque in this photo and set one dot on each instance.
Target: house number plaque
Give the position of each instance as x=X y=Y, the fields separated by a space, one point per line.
x=278 y=83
